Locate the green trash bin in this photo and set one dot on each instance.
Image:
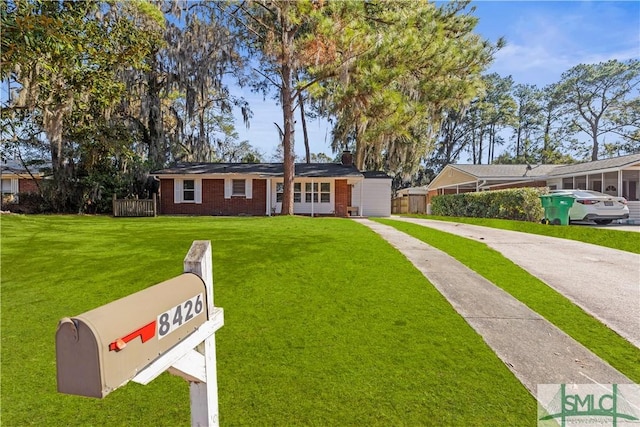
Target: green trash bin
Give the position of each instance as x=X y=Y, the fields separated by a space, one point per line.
x=556 y=208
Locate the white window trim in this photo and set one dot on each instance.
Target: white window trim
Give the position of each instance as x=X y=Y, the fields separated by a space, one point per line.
x=330 y=192
x=301 y=192
x=248 y=188
x=13 y=186
x=318 y=193
x=178 y=191
x=244 y=188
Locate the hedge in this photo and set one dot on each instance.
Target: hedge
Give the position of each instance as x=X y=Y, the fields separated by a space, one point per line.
x=521 y=204
x=26 y=203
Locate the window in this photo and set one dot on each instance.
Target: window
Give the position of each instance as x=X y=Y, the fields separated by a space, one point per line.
x=8 y=189
x=6 y=186
x=188 y=190
x=308 y=193
x=297 y=192
x=325 y=192
x=279 y=191
x=238 y=187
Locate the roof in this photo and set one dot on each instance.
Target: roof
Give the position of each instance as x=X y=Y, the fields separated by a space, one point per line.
x=597 y=165
x=376 y=175
x=14 y=167
x=309 y=170
x=505 y=171
x=485 y=176
x=413 y=191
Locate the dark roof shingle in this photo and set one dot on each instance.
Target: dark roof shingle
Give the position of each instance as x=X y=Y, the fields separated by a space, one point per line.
x=309 y=170
x=504 y=171
x=597 y=165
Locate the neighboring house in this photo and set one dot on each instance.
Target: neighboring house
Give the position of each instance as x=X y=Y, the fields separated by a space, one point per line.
x=619 y=176
x=320 y=189
x=15 y=179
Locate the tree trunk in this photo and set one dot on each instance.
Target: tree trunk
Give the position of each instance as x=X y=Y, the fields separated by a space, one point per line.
x=594 y=136
x=473 y=146
x=53 y=128
x=287 y=113
x=546 y=139
x=307 y=151
x=287 y=146
x=154 y=124
x=480 y=142
x=491 y=146
x=360 y=149
x=202 y=152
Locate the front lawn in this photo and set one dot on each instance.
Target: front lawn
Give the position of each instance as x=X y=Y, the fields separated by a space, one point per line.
x=325 y=324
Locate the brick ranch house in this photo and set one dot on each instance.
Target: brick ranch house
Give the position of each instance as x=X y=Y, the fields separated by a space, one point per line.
x=16 y=179
x=618 y=176
x=231 y=189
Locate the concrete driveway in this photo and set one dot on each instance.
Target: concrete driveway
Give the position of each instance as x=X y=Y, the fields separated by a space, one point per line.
x=618 y=227
x=536 y=351
x=604 y=282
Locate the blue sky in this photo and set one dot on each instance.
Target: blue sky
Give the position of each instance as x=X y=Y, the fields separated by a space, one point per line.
x=544 y=39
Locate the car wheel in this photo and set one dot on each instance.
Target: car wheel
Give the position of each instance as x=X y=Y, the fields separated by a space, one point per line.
x=603 y=221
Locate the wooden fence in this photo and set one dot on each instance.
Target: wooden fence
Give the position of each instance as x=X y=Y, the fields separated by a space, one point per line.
x=411 y=204
x=134 y=207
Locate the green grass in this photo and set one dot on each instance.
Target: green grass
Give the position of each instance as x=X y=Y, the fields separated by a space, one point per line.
x=534 y=293
x=325 y=324
x=623 y=240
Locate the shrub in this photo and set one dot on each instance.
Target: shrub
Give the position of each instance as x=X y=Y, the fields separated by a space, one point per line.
x=521 y=204
x=27 y=203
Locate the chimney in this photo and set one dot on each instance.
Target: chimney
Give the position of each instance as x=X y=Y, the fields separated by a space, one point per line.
x=347 y=158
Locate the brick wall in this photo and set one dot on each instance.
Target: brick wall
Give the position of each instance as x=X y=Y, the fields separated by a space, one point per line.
x=213 y=201
x=165 y=196
x=342 y=197
x=257 y=205
x=27 y=186
x=431 y=194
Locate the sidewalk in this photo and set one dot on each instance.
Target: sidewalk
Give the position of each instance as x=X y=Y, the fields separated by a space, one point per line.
x=604 y=282
x=535 y=350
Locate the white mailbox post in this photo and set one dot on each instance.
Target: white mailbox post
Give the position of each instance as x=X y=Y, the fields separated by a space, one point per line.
x=167 y=327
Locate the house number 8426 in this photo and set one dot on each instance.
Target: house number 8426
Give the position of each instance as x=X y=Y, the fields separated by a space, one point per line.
x=177 y=316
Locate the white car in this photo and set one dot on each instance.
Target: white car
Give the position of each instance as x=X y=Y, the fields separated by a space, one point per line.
x=594 y=206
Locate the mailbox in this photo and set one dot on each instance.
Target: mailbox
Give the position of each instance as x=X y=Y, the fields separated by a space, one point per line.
x=102 y=349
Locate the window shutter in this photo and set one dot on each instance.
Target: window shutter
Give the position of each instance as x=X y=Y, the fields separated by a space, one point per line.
x=198 y=191
x=177 y=191
x=227 y=188
x=249 y=188
x=15 y=188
